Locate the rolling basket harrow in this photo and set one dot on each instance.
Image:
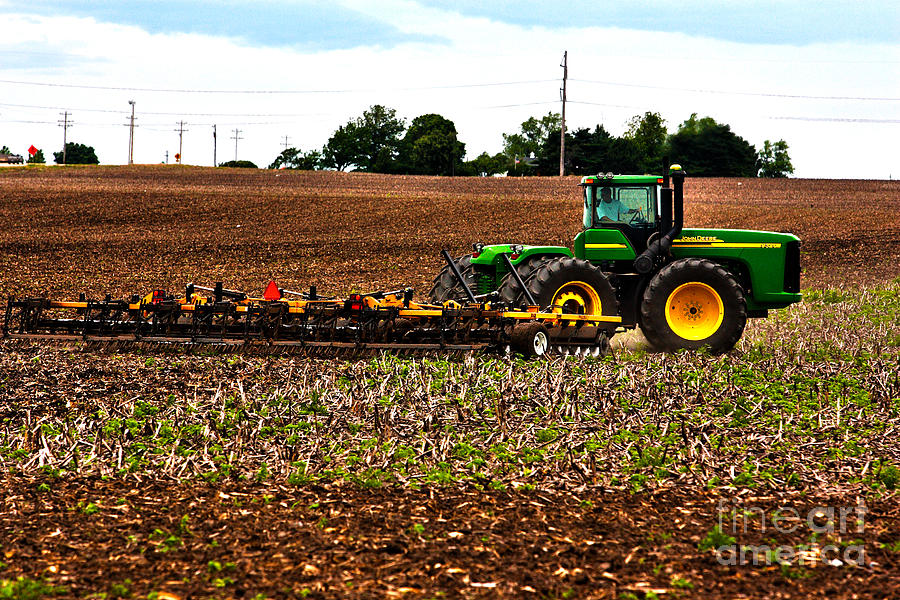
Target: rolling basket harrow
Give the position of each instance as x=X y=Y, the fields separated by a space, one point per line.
x=360 y=323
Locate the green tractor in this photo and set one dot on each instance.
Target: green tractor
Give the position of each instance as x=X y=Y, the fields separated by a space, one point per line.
x=685 y=288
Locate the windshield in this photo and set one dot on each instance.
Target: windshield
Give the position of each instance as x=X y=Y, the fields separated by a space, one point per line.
x=635 y=205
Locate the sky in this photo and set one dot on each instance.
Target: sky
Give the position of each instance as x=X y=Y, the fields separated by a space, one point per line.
x=822 y=75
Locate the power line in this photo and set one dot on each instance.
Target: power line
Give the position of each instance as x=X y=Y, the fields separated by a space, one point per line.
x=179 y=113
x=733 y=93
x=274 y=92
x=835 y=120
x=445 y=87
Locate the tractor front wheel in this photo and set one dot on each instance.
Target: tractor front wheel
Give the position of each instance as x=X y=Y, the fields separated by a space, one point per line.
x=510 y=291
x=693 y=303
x=447 y=287
x=572 y=286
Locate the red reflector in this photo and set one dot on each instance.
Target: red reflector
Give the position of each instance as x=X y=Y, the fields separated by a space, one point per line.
x=272 y=292
x=513 y=256
x=659 y=180
x=158 y=296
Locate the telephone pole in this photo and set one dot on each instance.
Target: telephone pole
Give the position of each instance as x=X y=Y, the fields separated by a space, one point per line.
x=214 y=146
x=285 y=143
x=180 y=131
x=236 y=137
x=131 y=135
x=562 y=133
x=65 y=124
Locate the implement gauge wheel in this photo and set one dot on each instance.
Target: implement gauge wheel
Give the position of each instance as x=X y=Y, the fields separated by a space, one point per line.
x=446 y=286
x=572 y=286
x=693 y=303
x=530 y=339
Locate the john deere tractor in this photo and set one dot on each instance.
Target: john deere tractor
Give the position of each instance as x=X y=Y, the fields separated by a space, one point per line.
x=685 y=288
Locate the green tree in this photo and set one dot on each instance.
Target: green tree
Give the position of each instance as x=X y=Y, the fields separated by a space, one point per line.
x=37 y=158
x=342 y=148
x=530 y=140
x=709 y=149
x=77 y=154
x=239 y=164
x=294 y=158
x=648 y=132
x=589 y=152
x=485 y=164
x=774 y=160
x=5 y=150
x=370 y=142
x=430 y=147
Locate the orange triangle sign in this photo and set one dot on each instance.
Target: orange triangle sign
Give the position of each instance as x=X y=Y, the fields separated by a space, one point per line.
x=272 y=292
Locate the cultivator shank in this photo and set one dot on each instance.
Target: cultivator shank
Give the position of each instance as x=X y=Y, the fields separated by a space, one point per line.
x=359 y=323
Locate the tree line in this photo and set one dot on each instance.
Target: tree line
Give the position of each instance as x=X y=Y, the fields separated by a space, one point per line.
x=76 y=154
x=379 y=141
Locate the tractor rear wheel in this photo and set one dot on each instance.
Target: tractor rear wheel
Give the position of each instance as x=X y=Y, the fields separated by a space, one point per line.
x=510 y=291
x=572 y=286
x=447 y=287
x=693 y=303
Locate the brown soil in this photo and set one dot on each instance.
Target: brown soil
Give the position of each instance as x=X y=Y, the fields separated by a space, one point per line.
x=124 y=230
x=345 y=542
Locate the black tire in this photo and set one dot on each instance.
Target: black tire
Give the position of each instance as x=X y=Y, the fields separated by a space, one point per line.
x=447 y=287
x=530 y=339
x=693 y=303
x=575 y=285
x=510 y=291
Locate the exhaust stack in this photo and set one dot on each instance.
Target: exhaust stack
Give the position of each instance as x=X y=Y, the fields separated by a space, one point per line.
x=671 y=218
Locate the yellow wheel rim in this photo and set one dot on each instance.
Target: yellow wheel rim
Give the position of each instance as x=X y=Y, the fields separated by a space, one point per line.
x=577 y=297
x=694 y=311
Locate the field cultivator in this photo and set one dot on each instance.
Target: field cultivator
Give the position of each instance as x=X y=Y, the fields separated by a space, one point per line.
x=282 y=319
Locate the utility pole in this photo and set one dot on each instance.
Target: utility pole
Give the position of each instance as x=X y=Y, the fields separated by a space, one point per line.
x=285 y=143
x=236 y=137
x=180 y=131
x=214 y=145
x=167 y=157
x=562 y=133
x=65 y=124
x=131 y=135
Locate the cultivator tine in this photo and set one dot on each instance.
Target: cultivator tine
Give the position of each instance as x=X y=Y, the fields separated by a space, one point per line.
x=361 y=325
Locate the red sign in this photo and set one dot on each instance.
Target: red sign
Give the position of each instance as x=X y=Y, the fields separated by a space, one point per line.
x=272 y=292
x=32 y=151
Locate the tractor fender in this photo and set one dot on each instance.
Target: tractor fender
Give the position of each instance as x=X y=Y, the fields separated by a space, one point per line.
x=490 y=255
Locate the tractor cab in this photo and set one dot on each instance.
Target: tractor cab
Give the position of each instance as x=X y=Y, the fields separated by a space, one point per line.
x=626 y=203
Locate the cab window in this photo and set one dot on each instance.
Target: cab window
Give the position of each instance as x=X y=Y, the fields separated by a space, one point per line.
x=635 y=206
